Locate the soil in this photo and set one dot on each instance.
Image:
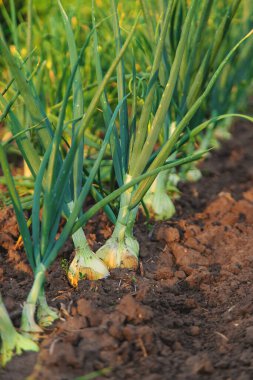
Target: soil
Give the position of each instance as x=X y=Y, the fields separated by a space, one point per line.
x=187 y=313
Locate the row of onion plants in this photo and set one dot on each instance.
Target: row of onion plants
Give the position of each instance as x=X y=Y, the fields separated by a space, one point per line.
x=141 y=139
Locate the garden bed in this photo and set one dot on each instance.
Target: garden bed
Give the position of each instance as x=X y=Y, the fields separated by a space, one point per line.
x=186 y=313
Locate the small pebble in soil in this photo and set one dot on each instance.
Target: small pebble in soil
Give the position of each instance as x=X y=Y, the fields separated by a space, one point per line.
x=180 y=274
x=249 y=335
x=194 y=330
x=199 y=364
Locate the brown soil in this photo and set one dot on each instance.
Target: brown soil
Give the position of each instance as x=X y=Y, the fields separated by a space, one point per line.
x=188 y=311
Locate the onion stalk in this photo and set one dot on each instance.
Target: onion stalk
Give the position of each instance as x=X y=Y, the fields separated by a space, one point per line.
x=122 y=249
x=12 y=342
x=46 y=315
x=85 y=265
x=28 y=323
x=157 y=200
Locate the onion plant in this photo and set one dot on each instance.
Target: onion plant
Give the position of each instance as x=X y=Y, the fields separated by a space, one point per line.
x=51 y=185
x=84 y=259
x=157 y=199
x=53 y=178
x=199 y=62
x=146 y=142
x=11 y=341
x=133 y=147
